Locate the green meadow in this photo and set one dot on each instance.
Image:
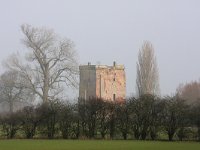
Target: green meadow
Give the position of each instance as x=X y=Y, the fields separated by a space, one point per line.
x=95 y=145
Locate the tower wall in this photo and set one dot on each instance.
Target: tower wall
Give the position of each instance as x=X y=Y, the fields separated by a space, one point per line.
x=111 y=83
x=106 y=82
x=87 y=85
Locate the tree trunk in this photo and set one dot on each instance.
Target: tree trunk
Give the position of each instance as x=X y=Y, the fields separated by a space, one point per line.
x=144 y=133
x=103 y=134
x=153 y=133
x=11 y=106
x=112 y=129
x=170 y=135
x=46 y=84
x=125 y=135
x=136 y=133
x=199 y=133
x=78 y=130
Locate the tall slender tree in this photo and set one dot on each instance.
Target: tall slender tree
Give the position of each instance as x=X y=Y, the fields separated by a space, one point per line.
x=147 y=80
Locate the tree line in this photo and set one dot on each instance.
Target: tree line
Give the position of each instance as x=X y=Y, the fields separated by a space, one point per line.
x=146 y=117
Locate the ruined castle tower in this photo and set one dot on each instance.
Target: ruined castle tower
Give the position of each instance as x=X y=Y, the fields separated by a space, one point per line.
x=101 y=81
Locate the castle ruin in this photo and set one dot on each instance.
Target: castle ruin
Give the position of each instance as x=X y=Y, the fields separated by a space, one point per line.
x=101 y=81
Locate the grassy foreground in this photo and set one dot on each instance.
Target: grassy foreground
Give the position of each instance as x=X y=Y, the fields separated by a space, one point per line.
x=95 y=145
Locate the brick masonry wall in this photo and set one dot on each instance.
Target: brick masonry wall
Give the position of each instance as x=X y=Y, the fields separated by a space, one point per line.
x=111 y=84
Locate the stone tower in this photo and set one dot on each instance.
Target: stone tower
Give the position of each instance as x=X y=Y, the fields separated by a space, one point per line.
x=101 y=81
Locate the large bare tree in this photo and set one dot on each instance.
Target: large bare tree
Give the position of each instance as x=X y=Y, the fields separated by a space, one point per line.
x=147 y=80
x=51 y=62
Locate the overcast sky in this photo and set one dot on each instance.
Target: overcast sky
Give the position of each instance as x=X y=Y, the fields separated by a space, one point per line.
x=113 y=30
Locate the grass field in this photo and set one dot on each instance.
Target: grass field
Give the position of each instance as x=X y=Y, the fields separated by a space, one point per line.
x=95 y=145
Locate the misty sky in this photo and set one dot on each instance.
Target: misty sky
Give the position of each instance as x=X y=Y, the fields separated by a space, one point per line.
x=108 y=30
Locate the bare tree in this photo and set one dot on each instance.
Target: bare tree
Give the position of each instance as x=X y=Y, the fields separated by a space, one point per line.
x=103 y=118
x=29 y=118
x=195 y=119
x=10 y=124
x=147 y=80
x=144 y=116
x=13 y=90
x=190 y=92
x=65 y=120
x=174 y=115
x=123 y=118
x=51 y=62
